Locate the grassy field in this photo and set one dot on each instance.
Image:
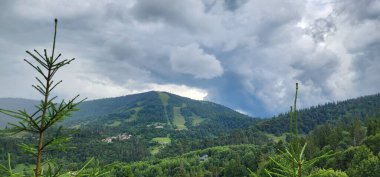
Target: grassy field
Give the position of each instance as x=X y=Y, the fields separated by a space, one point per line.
x=179 y=120
x=162 y=140
x=115 y=123
x=134 y=116
x=276 y=138
x=75 y=126
x=154 y=150
x=164 y=98
x=196 y=120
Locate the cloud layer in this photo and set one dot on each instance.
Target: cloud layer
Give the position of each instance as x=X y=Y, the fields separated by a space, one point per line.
x=192 y=60
x=245 y=54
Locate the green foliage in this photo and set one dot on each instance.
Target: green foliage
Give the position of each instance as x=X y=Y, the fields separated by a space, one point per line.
x=292 y=161
x=8 y=170
x=373 y=143
x=218 y=161
x=362 y=108
x=328 y=173
x=373 y=126
x=179 y=121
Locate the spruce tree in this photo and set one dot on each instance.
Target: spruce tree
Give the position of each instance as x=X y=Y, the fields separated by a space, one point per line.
x=50 y=111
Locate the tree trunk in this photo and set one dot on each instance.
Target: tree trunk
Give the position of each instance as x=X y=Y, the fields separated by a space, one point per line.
x=39 y=155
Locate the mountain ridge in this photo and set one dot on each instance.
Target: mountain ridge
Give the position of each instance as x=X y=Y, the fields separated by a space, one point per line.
x=129 y=104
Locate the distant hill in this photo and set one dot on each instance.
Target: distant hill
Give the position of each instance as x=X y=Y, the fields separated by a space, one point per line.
x=360 y=108
x=14 y=104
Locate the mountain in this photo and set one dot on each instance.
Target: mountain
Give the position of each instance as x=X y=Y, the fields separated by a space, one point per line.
x=144 y=123
x=158 y=109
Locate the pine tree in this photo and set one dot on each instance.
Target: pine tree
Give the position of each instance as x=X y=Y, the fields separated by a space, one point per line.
x=49 y=111
x=292 y=162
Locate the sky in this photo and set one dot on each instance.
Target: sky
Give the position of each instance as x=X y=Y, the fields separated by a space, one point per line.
x=244 y=54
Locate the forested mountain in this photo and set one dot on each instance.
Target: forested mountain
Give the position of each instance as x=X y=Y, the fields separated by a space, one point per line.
x=158 y=109
x=360 y=108
x=138 y=126
x=15 y=104
x=150 y=108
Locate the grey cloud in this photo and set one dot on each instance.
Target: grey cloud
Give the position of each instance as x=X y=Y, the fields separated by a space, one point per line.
x=232 y=5
x=317 y=68
x=187 y=14
x=253 y=48
x=321 y=28
x=191 y=59
x=362 y=42
x=358 y=11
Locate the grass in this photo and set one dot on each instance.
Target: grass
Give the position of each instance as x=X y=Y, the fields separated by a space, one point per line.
x=162 y=140
x=115 y=123
x=164 y=99
x=179 y=120
x=196 y=120
x=75 y=126
x=276 y=138
x=134 y=117
x=154 y=150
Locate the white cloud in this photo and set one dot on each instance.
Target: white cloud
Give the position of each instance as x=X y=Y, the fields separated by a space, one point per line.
x=182 y=90
x=97 y=86
x=191 y=59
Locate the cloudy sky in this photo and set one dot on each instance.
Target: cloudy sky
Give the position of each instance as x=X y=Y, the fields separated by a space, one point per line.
x=245 y=54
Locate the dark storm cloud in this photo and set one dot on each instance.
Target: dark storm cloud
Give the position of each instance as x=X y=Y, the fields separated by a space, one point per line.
x=186 y=14
x=321 y=28
x=232 y=5
x=363 y=41
x=246 y=54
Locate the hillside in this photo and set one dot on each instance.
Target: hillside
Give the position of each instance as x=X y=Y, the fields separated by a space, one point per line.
x=145 y=124
x=158 y=110
x=361 y=108
x=14 y=104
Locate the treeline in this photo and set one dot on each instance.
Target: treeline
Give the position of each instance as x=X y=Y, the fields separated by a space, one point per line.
x=361 y=108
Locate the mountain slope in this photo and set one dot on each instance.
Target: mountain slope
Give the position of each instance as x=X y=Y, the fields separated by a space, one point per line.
x=157 y=109
x=360 y=108
x=160 y=110
x=14 y=104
